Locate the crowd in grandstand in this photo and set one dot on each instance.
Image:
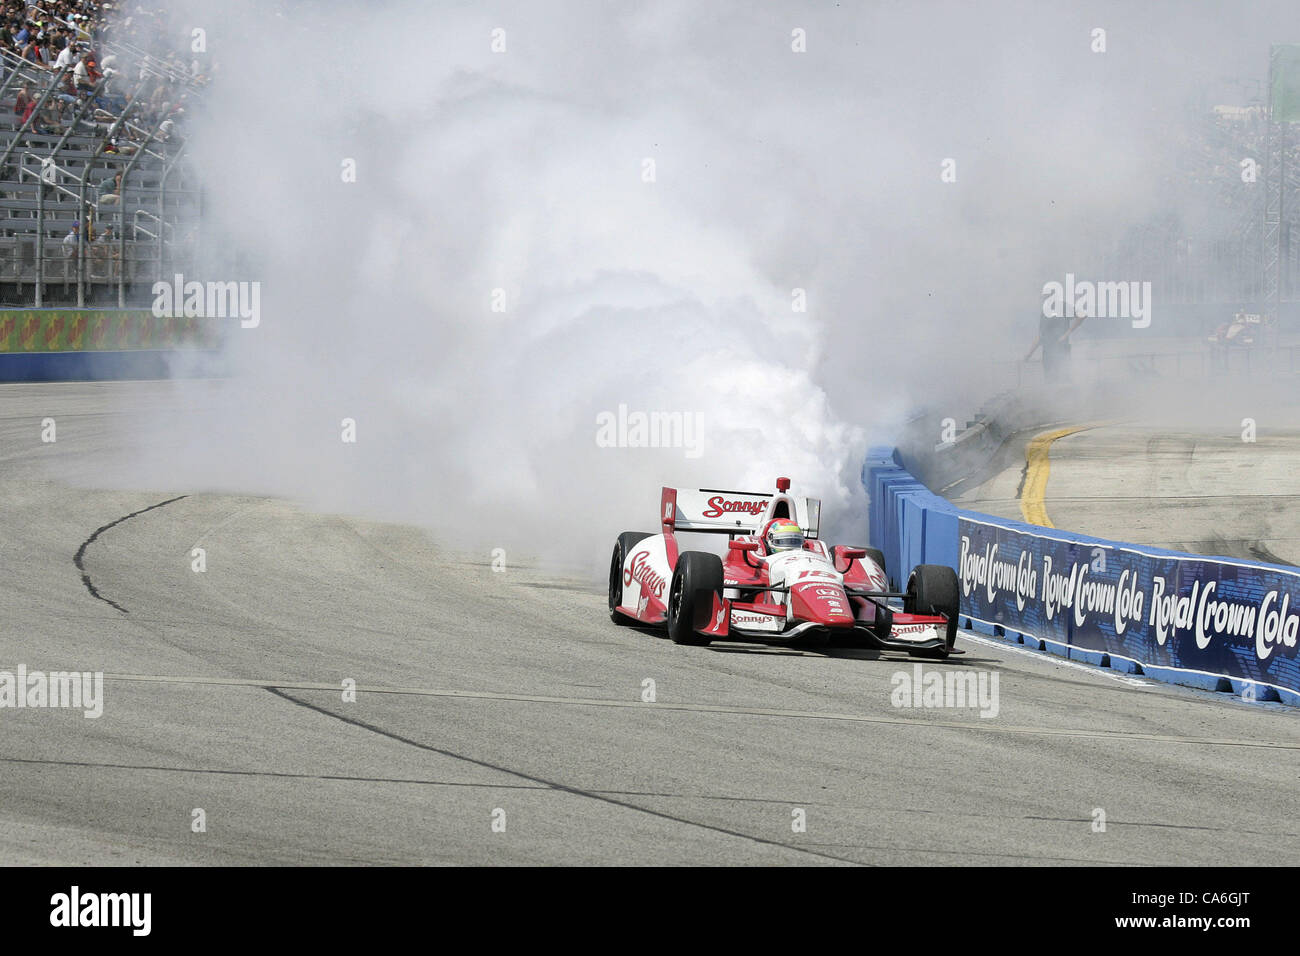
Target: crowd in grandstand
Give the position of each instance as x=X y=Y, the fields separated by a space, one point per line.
x=1202 y=241
x=94 y=100
x=91 y=58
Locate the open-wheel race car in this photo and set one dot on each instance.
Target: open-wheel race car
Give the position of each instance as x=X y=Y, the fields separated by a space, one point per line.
x=778 y=582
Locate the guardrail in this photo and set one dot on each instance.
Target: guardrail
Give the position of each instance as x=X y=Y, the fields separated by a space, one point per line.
x=1187 y=619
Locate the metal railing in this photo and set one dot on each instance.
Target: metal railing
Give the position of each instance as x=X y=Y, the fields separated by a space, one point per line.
x=1183 y=363
x=63 y=178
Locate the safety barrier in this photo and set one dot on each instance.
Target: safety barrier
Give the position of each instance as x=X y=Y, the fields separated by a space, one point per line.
x=91 y=344
x=1187 y=619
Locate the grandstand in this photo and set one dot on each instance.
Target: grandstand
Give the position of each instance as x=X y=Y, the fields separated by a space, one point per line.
x=71 y=123
x=1205 y=247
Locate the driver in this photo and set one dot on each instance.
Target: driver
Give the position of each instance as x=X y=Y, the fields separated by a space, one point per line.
x=783 y=535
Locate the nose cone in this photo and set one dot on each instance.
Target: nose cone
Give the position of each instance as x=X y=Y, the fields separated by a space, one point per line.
x=823 y=603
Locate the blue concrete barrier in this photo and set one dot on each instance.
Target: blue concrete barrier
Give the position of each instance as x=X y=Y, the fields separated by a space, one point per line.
x=1212 y=623
x=103 y=366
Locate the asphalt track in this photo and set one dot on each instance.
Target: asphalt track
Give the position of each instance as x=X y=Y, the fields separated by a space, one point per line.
x=480 y=692
x=1207 y=492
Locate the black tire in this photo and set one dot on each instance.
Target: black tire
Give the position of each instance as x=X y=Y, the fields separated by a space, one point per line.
x=697 y=577
x=933 y=589
x=626 y=541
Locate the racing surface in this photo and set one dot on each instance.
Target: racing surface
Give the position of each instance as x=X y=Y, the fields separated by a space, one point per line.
x=1206 y=492
x=480 y=691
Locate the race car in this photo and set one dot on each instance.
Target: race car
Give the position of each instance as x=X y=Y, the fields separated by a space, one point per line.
x=1239 y=333
x=779 y=582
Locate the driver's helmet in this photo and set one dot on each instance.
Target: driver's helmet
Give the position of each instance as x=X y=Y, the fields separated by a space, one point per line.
x=783 y=535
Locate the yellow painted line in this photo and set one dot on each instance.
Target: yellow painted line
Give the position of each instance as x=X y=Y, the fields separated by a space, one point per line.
x=1038 y=466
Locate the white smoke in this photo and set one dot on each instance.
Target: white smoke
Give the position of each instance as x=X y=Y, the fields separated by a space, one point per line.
x=525 y=171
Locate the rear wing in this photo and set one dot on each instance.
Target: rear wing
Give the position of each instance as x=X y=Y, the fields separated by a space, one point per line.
x=735 y=512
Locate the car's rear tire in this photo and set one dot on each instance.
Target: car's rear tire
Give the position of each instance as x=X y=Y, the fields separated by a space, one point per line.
x=626 y=541
x=697 y=577
x=933 y=589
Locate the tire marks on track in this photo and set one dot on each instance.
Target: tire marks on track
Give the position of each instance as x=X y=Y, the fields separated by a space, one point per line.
x=80 y=557
x=562 y=787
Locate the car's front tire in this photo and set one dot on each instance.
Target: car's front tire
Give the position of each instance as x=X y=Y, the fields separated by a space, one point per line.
x=626 y=542
x=697 y=577
x=933 y=589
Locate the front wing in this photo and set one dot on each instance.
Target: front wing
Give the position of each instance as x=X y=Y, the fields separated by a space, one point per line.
x=888 y=628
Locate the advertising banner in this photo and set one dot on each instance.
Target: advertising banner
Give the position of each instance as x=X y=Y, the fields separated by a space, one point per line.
x=90 y=330
x=1161 y=609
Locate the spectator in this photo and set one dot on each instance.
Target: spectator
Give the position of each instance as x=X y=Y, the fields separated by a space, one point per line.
x=32 y=53
x=86 y=74
x=80 y=25
x=71 y=240
x=104 y=248
x=1054 y=337
x=67 y=93
x=156 y=107
x=25 y=103
x=66 y=57
x=110 y=191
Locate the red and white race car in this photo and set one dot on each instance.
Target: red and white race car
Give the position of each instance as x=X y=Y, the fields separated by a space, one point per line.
x=778 y=582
